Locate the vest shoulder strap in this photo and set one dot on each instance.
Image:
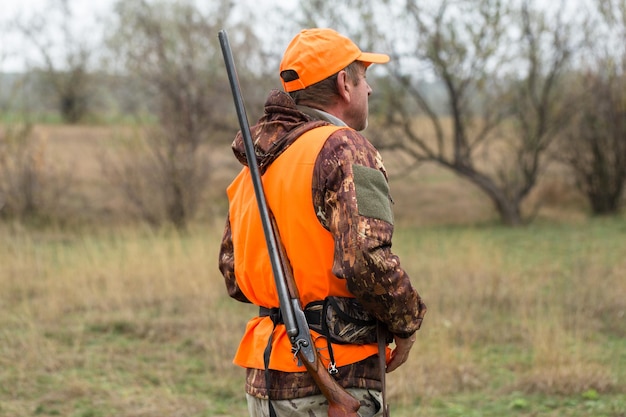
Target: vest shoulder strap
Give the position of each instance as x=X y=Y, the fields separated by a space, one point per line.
x=319 y=133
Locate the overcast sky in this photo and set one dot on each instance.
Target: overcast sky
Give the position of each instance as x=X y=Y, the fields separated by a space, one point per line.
x=86 y=15
x=13 y=49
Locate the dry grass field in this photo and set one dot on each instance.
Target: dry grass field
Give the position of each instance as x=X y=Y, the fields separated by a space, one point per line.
x=429 y=195
x=115 y=319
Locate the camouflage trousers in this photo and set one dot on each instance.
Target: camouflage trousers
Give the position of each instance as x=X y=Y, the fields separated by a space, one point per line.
x=315 y=405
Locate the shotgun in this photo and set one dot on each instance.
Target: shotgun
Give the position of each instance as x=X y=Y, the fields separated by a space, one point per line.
x=340 y=402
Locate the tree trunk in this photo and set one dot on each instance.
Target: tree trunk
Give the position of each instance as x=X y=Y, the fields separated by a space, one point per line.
x=508 y=208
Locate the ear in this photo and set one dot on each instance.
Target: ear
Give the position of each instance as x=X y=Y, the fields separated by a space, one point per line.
x=344 y=87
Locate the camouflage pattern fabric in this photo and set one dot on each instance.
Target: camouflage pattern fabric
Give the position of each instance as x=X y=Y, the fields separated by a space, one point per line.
x=283 y=386
x=344 y=320
x=315 y=406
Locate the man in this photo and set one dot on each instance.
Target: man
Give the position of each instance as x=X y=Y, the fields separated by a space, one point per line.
x=327 y=188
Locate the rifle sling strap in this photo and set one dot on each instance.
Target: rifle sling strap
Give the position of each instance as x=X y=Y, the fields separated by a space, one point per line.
x=381 y=335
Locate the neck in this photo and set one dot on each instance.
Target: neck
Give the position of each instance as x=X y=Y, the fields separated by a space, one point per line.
x=322 y=115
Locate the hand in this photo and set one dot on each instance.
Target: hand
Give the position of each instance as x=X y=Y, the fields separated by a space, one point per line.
x=401 y=353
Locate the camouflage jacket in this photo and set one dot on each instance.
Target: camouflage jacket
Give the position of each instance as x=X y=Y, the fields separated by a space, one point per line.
x=362 y=233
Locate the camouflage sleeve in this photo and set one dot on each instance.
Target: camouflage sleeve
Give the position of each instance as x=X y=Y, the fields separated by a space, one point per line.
x=351 y=197
x=227 y=265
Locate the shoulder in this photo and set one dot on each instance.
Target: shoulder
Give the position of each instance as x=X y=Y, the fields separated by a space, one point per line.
x=347 y=137
x=347 y=146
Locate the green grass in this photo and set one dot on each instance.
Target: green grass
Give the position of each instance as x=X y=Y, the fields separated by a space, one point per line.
x=131 y=322
x=518 y=404
x=533 y=318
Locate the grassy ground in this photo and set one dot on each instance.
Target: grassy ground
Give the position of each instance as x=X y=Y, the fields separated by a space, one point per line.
x=133 y=322
x=522 y=322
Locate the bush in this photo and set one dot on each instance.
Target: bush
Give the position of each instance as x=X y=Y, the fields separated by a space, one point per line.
x=30 y=186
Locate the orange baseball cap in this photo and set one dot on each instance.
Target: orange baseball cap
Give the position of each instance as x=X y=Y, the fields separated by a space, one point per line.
x=315 y=54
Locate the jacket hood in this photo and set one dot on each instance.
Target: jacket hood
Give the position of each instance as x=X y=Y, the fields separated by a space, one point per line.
x=281 y=124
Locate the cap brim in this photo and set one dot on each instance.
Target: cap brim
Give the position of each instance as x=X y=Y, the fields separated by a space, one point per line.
x=373 y=58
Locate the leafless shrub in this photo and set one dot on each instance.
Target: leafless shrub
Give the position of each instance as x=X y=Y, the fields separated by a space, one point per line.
x=595 y=145
x=159 y=181
x=31 y=186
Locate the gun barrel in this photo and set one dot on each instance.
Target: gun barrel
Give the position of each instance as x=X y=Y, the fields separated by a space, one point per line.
x=270 y=235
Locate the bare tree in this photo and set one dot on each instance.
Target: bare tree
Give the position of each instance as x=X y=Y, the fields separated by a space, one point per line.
x=66 y=57
x=170 y=49
x=501 y=70
x=595 y=145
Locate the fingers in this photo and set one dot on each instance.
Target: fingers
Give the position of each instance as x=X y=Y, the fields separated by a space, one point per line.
x=401 y=353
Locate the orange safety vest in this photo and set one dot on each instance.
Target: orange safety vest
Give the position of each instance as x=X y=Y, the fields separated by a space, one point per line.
x=309 y=246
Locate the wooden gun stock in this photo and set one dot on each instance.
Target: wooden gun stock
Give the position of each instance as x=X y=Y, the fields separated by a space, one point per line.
x=340 y=402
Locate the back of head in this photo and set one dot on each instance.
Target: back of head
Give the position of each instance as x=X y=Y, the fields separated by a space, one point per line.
x=314 y=55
